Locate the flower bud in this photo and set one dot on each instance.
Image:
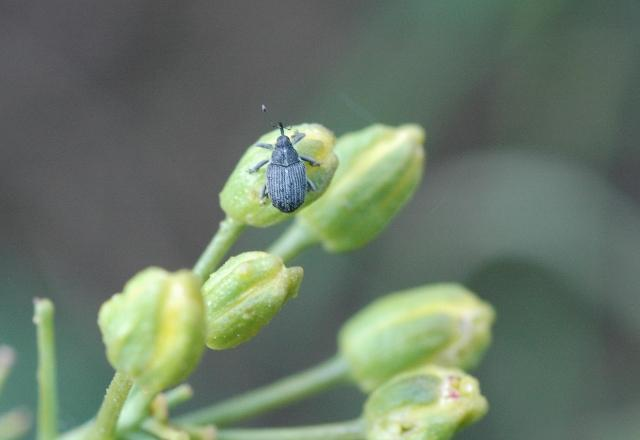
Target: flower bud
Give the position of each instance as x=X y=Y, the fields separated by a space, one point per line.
x=444 y=324
x=244 y=295
x=430 y=403
x=380 y=168
x=241 y=196
x=154 y=329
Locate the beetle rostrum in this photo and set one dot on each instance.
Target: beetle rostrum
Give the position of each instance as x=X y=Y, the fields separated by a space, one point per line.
x=287 y=181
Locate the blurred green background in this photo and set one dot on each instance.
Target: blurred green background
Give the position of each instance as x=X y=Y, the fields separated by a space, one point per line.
x=120 y=121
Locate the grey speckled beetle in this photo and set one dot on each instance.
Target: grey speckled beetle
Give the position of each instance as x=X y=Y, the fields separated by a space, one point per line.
x=287 y=181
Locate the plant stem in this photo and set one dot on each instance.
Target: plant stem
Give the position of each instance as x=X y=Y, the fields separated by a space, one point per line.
x=277 y=394
x=228 y=232
x=351 y=430
x=47 y=392
x=293 y=241
x=135 y=409
x=178 y=395
x=107 y=418
x=162 y=431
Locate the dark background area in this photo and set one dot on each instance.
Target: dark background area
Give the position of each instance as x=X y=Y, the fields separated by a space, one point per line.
x=120 y=121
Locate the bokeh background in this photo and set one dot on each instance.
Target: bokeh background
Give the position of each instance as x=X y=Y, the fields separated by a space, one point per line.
x=120 y=121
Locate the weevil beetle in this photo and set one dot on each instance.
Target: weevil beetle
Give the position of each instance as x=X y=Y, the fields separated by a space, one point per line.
x=287 y=181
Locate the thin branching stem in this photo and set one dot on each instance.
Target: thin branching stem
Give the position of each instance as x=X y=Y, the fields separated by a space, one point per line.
x=47 y=390
x=293 y=241
x=350 y=430
x=275 y=395
x=227 y=234
x=178 y=395
x=105 y=424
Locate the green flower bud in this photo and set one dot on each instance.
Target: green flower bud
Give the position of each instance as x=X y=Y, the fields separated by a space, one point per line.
x=380 y=168
x=241 y=196
x=244 y=295
x=443 y=324
x=431 y=403
x=154 y=329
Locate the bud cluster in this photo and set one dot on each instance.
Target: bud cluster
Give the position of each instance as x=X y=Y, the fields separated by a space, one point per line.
x=408 y=349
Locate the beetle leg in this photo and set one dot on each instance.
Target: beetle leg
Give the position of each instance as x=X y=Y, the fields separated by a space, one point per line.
x=257 y=166
x=264 y=194
x=297 y=137
x=263 y=145
x=311 y=186
x=311 y=162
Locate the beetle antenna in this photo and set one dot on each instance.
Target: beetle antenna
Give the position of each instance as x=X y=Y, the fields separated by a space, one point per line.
x=279 y=125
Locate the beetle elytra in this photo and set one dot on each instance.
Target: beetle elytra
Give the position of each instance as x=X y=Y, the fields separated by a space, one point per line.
x=287 y=181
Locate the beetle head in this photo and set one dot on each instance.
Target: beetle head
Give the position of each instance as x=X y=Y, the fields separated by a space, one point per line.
x=283 y=140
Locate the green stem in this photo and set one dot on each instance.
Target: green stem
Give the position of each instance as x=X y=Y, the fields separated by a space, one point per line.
x=277 y=394
x=135 y=409
x=351 y=430
x=178 y=395
x=107 y=418
x=140 y=406
x=227 y=234
x=163 y=431
x=293 y=241
x=47 y=392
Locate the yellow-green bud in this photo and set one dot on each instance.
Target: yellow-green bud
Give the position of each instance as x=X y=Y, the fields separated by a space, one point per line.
x=443 y=324
x=244 y=295
x=241 y=196
x=154 y=329
x=380 y=168
x=430 y=403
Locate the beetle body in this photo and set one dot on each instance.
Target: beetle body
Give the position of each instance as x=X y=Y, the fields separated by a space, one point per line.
x=286 y=177
x=286 y=182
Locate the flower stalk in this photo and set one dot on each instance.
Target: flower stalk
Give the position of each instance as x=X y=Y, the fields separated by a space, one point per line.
x=227 y=234
x=104 y=426
x=295 y=387
x=292 y=242
x=178 y=395
x=349 y=430
x=47 y=389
